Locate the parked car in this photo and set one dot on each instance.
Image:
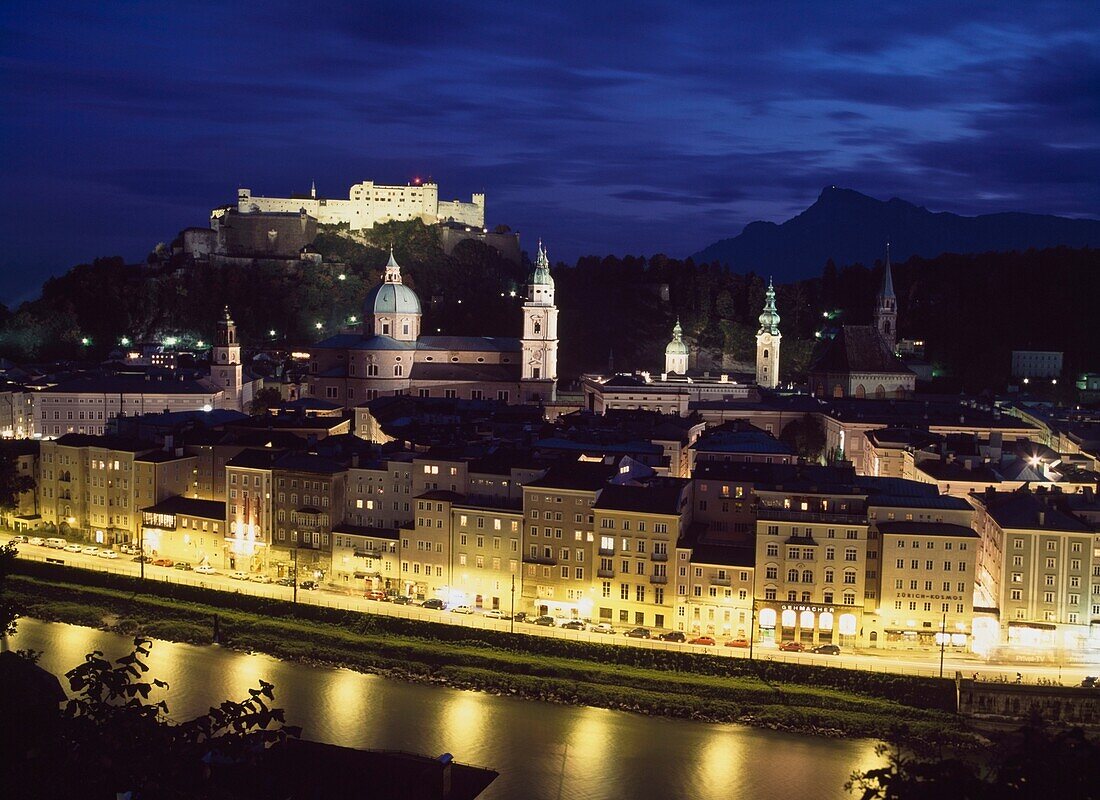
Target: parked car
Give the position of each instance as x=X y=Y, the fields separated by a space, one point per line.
x=433 y=603
x=544 y=620
x=1089 y=682
x=573 y=625
x=139 y=559
x=260 y=579
x=91 y=550
x=401 y=599
x=127 y=549
x=183 y=566
x=163 y=562
x=285 y=582
x=461 y=610
x=638 y=633
x=307 y=585
x=827 y=650
x=19 y=539
x=672 y=636
x=58 y=544
x=494 y=613
x=520 y=616
x=737 y=643
x=72 y=548
x=108 y=553
x=238 y=576
x=792 y=647
x=205 y=569
x=705 y=640
x=375 y=594
x=602 y=627
x=37 y=541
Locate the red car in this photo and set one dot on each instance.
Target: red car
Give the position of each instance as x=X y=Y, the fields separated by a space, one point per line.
x=376 y=595
x=709 y=640
x=163 y=562
x=792 y=647
x=737 y=643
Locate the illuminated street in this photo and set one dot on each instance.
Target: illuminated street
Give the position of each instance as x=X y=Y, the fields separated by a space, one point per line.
x=909 y=663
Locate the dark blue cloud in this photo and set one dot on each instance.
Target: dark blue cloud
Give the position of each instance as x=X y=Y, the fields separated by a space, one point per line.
x=640 y=127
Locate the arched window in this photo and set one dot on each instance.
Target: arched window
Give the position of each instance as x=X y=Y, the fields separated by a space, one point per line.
x=849 y=576
x=880 y=392
x=792 y=576
x=825 y=621
x=806 y=620
x=372 y=370
x=788 y=618
x=829 y=576
x=838 y=390
x=860 y=391
x=765 y=352
x=807 y=576
x=398 y=370
x=767 y=618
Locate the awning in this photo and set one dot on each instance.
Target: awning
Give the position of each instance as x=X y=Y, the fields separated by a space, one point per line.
x=1042 y=626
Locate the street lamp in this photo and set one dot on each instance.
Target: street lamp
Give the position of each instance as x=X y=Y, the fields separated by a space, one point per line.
x=295 y=575
x=752 y=627
x=513 y=615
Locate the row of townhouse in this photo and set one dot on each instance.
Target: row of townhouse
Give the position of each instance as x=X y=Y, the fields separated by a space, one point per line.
x=745 y=550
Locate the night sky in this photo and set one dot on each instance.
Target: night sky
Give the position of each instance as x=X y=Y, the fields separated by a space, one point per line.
x=604 y=128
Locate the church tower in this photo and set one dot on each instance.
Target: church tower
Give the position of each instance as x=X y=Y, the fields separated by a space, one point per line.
x=886 y=307
x=767 y=343
x=225 y=365
x=676 y=354
x=540 y=334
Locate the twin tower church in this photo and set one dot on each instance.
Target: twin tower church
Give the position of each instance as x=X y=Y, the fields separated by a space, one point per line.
x=389 y=355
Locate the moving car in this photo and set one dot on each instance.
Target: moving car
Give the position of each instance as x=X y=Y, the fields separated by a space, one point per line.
x=260 y=579
x=307 y=585
x=545 y=621
x=603 y=627
x=238 y=576
x=706 y=640
x=792 y=647
x=494 y=613
x=163 y=562
x=433 y=603
x=108 y=553
x=461 y=610
x=72 y=548
x=91 y=550
x=573 y=625
x=285 y=582
x=37 y=541
x=638 y=633
x=205 y=569
x=672 y=636
x=827 y=650
x=737 y=643
x=183 y=566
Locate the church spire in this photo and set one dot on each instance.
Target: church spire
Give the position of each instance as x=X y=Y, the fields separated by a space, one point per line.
x=887 y=277
x=769 y=318
x=393 y=269
x=886 y=306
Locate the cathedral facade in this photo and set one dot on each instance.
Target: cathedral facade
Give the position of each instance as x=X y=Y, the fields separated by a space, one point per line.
x=389 y=356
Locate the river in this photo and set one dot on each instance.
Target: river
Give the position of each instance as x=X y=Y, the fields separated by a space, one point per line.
x=541 y=750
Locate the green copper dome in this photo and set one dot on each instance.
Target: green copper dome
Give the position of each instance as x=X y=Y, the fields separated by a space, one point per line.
x=677 y=347
x=542 y=276
x=769 y=317
x=391 y=296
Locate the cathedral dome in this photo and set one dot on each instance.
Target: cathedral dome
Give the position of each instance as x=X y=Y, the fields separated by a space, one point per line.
x=391 y=296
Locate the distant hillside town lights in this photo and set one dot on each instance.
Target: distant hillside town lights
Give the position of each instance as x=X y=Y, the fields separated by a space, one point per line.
x=124 y=341
x=200 y=343
x=171 y=341
x=84 y=340
x=208 y=408
x=271 y=333
x=343 y=277
x=319 y=325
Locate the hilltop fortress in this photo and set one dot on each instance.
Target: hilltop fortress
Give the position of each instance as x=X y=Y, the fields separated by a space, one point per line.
x=367 y=203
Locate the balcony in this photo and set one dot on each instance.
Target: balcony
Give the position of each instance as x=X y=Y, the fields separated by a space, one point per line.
x=721 y=582
x=549 y=561
x=658 y=557
x=605 y=573
x=662 y=579
x=606 y=551
x=790 y=515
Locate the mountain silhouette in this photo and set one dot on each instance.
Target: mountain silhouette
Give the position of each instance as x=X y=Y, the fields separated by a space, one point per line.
x=850 y=227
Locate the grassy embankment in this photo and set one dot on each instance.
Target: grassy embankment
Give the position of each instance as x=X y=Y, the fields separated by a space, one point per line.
x=676 y=685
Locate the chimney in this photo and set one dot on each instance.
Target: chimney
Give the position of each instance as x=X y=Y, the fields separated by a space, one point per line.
x=1042 y=517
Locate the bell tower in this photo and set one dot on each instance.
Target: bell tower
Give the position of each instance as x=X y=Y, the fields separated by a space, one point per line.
x=540 y=334
x=886 y=307
x=767 y=343
x=225 y=365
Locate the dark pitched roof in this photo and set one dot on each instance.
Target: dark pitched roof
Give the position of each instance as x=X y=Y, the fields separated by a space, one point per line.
x=254 y=459
x=724 y=555
x=161 y=457
x=910 y=528
x=658 y=497
x=448 y=371
x=1025 y=510
x=940 y=501
x=131 y=384
x=442 y=495
x=578 y=475
x=485 y=344
x=108 y=442
x=308 y=462
x=363 y=530
x=858 y=348
x=207 y=509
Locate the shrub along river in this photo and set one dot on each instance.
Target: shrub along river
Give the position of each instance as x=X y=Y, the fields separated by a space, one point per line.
x=541 y=750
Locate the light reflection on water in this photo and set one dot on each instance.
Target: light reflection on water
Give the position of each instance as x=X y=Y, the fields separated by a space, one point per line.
x=541 y=750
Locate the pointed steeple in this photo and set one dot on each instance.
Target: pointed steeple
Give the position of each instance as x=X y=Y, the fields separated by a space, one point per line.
x=541 y=276
x=769 y=318
x=887 y=277
x=677 y=345
x=393 y=269
x=313 y=190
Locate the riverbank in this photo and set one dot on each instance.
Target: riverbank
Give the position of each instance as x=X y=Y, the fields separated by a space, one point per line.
x=693 y=689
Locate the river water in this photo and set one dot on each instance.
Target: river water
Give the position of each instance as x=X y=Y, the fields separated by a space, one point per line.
x=541 y=750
